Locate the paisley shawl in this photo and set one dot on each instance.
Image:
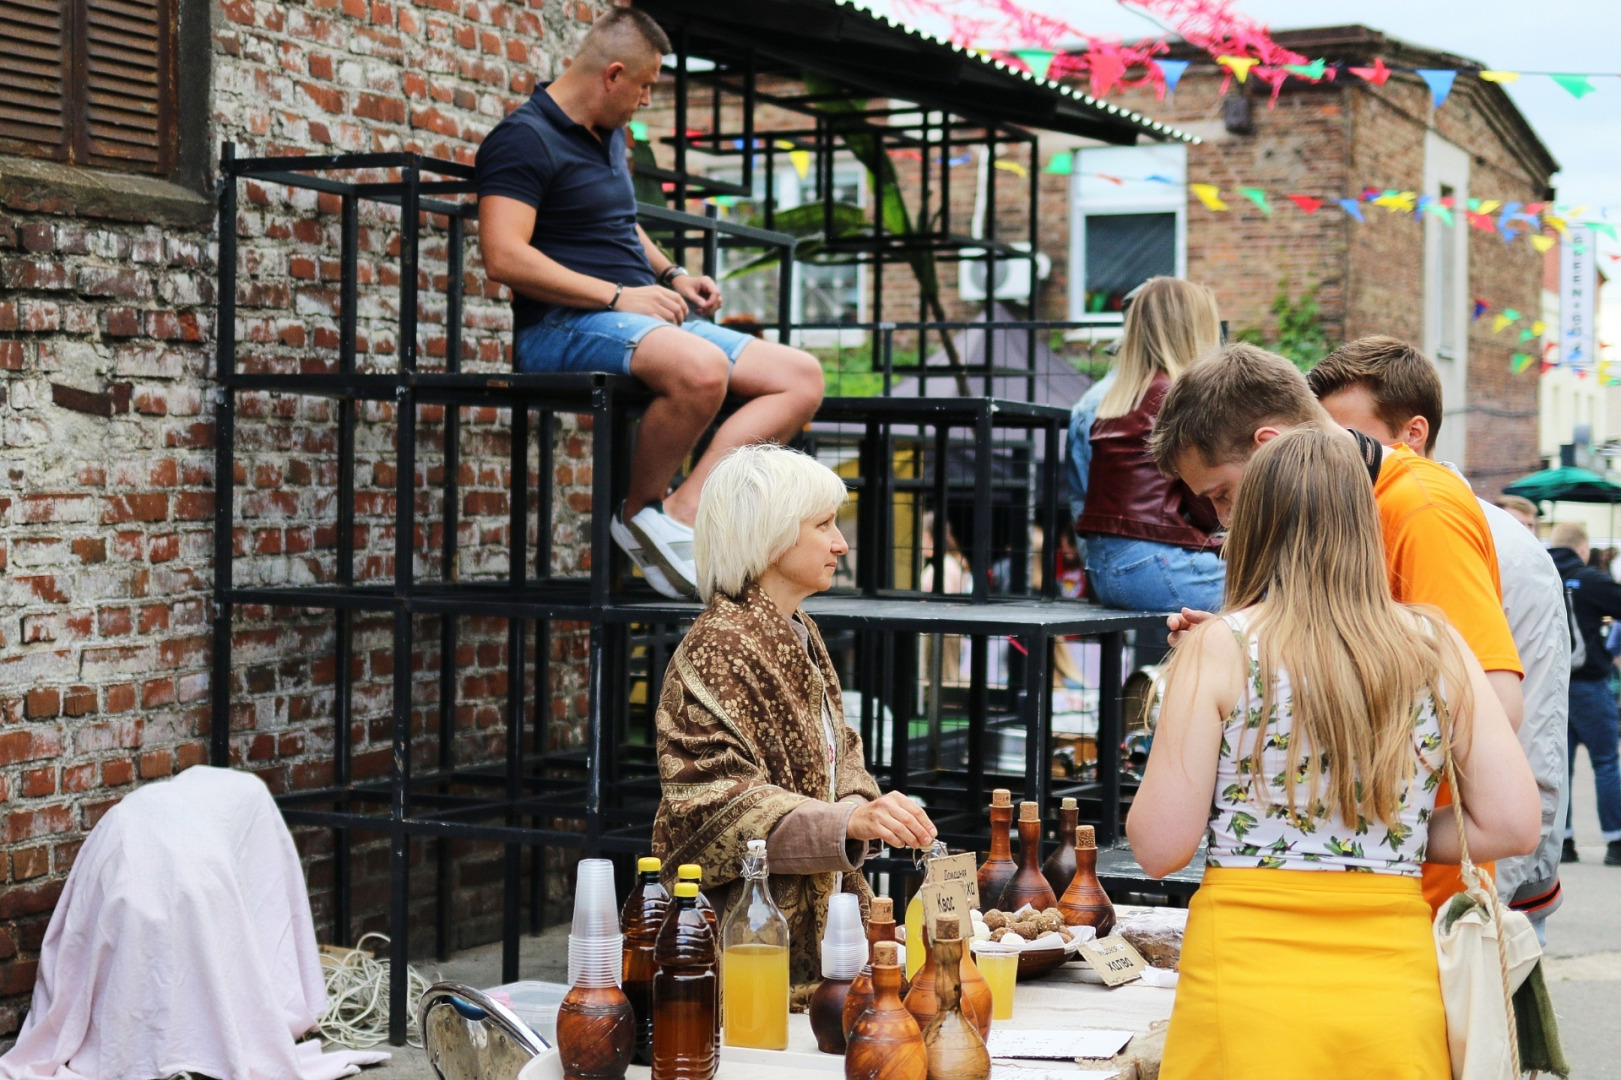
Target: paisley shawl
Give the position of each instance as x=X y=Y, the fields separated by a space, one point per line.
x=741 y=744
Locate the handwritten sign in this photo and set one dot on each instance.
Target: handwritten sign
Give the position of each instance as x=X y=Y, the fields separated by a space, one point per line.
x=956 y=869
x=942 y=899
x=1114 y=959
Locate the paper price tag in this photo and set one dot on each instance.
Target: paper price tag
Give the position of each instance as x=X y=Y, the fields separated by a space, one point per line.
x=955 y=869
x=1114 y=959
x=946 y=899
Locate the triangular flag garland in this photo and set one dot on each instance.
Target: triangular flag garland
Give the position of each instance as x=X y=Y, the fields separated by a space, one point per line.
x=1172 y=71
x=1060 y=164
x=1306 y=203
x=1521 y=363
x=1350 y=207
x=1209 y=194
x=1238 y=65
x=1258 y=197
x=1378 y=74
x=1440 y=82
x=1312 y=71
x=1499 y=76
x=1578 y=85
x=1037 y=60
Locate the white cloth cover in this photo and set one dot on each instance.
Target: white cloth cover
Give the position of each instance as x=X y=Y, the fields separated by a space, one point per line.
x=1472 y=979
x=183 y=941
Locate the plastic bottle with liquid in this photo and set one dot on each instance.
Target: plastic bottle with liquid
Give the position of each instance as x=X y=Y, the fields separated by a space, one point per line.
x=952 y=1043
x=1060 y=865
x=999 y=866
x=1085 y=903
x=884 y=1042
x=1029 y=885
x=694 y=873
x=754 y=961
x=684 y=999
x=640 y=920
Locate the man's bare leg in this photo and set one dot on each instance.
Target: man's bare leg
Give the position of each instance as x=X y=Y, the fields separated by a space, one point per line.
x=784 y=386
x=688 y=375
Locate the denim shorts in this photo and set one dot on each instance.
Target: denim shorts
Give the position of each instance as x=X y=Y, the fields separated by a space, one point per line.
x=569 y=340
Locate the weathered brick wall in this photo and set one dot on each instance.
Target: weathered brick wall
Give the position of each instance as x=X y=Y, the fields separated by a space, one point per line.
x=106 y=331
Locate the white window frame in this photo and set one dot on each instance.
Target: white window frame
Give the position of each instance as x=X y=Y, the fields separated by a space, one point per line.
x=1447 y=164
x=1091 y=197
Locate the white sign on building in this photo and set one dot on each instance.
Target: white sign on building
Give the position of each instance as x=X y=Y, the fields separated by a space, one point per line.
x=1578 y=299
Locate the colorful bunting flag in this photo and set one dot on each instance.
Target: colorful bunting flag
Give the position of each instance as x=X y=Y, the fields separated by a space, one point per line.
x=1605 y=227
x=1557 y=224
x=1060 y=164
x=1258 y=197
x=1487 y=206
x=1378 y=74
x=1106 y=69
x=1521 y=363
x=1440 y=84
x=1306 y=203
x=1538 y=327
x=1013 y=167
x=1209 y=194
x=1037 y=60
x=1350 y=206
x=1578 y=85
x=1312 y=71
x=1397 y=202
x=1501 y=321
x=802 y=162
x=1526 y=335
x=1173 y=71
x=1238 y=65
x=638 y=131
x=1543 y=243
x=1481 y=307
x=1499 y=76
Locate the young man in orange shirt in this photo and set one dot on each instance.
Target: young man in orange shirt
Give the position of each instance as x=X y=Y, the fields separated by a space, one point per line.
x=1438 y=547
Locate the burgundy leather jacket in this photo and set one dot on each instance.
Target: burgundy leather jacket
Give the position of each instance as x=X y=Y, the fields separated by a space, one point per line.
x=1127 y=495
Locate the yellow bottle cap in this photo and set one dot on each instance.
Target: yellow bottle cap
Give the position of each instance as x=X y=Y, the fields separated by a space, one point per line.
x=687 y=888
x=690 y=872
x=648 y=865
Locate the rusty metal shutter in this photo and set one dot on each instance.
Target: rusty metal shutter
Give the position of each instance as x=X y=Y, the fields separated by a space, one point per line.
x=129 y=83
x=34 y=84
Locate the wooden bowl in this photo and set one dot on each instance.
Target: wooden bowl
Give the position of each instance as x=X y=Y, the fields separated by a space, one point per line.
x=1034 y=963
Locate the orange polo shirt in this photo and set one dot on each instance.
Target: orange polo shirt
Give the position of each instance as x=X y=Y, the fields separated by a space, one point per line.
x=1439 y=551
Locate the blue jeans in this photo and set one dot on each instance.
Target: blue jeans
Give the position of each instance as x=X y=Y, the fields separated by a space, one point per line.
x=572 y=340
x=1594 y=723
x=1141 y=575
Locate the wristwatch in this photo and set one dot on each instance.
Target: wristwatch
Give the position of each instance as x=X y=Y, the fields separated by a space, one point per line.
x=670 y=273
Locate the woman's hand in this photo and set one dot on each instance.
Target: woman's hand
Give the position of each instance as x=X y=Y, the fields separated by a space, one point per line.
x=894 y=819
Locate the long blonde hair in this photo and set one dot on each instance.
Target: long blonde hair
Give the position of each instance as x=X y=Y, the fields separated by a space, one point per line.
x=1305 y=550
x=1171 y=324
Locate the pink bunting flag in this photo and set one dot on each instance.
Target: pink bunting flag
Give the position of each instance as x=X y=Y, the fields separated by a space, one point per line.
x=1377 y=74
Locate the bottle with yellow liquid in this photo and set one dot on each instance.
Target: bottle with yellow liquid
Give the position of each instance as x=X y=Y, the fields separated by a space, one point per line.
x=917 y=951
x=754 y=962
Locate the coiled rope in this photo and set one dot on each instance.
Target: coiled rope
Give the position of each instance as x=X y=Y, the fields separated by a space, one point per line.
x=357 y=998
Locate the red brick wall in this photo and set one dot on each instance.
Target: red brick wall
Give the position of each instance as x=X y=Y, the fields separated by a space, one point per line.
x=106 y=330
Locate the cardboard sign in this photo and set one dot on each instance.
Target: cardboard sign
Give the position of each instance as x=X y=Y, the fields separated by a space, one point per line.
x=955 y=869
x=1114 y=959
x=946 y=899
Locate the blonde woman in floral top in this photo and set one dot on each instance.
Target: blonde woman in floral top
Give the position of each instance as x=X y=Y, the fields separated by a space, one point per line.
x=1300 y=734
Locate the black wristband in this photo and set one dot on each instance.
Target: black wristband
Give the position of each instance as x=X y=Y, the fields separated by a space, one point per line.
x=614 y=302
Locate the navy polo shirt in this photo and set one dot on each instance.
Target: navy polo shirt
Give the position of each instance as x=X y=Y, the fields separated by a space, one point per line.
x=580 y=187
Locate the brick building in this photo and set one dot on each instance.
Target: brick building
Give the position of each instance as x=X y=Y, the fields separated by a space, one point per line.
x=107 y=248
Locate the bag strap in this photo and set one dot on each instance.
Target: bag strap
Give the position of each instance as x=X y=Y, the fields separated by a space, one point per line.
x=1473 y=877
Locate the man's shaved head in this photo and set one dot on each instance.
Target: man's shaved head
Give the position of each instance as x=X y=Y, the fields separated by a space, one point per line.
x=624 y=36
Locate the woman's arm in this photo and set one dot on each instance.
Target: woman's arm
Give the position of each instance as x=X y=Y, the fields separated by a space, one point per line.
x=1172 y=807
x=1502 y=814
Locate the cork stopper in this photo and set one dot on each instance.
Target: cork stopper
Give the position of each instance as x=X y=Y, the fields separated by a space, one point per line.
x=883 y=909
x=1001 y=797
x=1067 y=804
x=884 y=954
x=1029 y=811
x=945 y=928
x=1085 y=838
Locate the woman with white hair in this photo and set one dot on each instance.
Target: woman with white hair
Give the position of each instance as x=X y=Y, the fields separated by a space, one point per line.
x=752 y=742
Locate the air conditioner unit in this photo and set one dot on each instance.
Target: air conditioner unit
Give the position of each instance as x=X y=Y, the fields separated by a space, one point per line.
x=1012 y=274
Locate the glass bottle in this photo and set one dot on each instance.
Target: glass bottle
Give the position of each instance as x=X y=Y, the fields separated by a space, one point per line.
x=880 y=928
x=1085 y=903
x=1029 y=885
x=640 y=920
x=694 y=873
x=1060 y=865
x=754 y=961
x=684 y=1000
x=884 y=1042
x=951 y=1042
x=917 y=952
x=999 y=866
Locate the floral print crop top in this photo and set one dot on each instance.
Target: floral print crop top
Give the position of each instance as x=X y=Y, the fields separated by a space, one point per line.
x=1246 y=834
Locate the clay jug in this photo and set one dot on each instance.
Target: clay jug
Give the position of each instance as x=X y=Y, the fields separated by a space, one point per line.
x=1085 y=903
x=951 y=1042
x=884 y=1042
x=923 y=1001
x=1029 y=885
x=596 y=1033
x=999 y=866
x=1060 y=865
x=880 y=928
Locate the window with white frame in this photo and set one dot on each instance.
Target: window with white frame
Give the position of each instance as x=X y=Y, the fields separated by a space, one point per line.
x=821 y=293
x=1128 y=223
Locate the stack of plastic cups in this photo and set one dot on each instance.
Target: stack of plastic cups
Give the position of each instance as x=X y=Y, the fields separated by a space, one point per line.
x=844 y=944
x=595 y=945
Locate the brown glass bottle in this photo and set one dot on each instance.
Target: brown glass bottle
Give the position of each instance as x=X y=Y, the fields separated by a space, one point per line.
x=880 y=928
x=952 y=1043
x=640 y=921
x=684 y=993
x=884 y=1042
x=596 y=1032
x=1085 y=903
x=1060 y=865
x=923 y=1001
x=1029 y=886
x=999 y=866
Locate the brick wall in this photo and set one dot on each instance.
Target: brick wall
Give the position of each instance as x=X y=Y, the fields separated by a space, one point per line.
x=106 y=330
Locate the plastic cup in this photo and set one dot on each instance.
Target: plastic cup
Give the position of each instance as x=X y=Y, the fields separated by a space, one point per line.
x=1000 y=966
x=596 y=914
x=595 y=961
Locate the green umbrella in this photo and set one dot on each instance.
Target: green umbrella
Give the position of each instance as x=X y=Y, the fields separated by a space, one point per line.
x=1567 y=484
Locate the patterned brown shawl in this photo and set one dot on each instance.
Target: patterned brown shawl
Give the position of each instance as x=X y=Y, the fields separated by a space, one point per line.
x=741 y=743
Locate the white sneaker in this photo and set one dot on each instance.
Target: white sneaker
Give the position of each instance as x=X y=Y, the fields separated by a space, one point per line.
x=668 y=543
x=650 y=570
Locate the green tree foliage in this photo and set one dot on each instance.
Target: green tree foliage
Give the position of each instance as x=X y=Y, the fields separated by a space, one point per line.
x=1299 y=333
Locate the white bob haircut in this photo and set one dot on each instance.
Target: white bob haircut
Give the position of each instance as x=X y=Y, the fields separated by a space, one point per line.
x=750 y=512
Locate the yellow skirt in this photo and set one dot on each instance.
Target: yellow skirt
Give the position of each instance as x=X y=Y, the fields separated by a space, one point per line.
x=1302 y=975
